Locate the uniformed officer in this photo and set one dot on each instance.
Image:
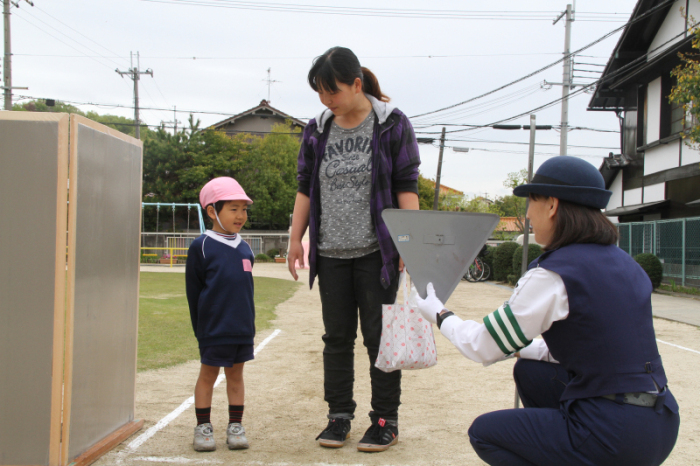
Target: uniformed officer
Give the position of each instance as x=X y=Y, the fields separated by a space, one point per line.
x=594 y=388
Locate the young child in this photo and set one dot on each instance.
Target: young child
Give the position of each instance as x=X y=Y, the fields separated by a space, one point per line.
x=219 y=284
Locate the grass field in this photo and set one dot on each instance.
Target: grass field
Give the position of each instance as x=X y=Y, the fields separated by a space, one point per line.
x=165 y=330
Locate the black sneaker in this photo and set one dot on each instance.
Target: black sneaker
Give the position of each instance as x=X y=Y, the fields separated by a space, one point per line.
x=335 y=434
x=382 y=434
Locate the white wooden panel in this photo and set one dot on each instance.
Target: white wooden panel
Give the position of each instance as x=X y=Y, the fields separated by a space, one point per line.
x=33 y=187
x=653 y=117
x=673 y=25
x=616 y=188
x=688 y=154
x=661 y=157
x=655 y=192
x=633 y=196
x=694 y=9
x=103 y=271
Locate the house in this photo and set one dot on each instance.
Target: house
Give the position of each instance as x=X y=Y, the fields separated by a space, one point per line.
x=257 y=120
x=656 y=175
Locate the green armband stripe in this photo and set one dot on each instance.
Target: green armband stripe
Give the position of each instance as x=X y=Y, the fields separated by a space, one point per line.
x=505 y=331
x=516 y=326
x=494 y=334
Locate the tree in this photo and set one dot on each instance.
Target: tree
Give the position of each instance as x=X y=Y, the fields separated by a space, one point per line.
x=426 y=195
x=510 y=205
x=267 y=171
x=123 y=124
x=686 y=92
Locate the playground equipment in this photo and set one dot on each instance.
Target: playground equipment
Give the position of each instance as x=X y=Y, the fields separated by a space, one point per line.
x=166 y=246
x=69 y=313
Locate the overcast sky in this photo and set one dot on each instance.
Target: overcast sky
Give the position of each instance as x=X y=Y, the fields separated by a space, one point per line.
x=213 y=55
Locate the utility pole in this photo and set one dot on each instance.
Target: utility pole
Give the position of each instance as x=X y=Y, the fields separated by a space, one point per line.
x=7 y=59
x=530 y=163
x=174 y=122
x=135 y=73
x=439 y=170
x=566 y=79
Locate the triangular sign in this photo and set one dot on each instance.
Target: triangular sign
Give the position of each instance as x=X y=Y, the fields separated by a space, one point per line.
x=438 y=247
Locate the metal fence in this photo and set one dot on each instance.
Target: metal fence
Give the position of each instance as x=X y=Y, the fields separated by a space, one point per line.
x=170 y=248
x=675 y=242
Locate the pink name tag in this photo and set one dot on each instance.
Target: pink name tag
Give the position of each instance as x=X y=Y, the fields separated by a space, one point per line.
x=247 y=267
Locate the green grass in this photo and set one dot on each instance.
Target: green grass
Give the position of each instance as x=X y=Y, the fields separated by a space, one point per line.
x=165 y=329
x=679 y=289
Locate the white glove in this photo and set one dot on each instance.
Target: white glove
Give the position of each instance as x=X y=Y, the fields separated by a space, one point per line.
x=431 y=306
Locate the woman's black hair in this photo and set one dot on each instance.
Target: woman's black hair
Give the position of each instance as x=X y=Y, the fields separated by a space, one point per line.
x=340 y=64
x=576 y=223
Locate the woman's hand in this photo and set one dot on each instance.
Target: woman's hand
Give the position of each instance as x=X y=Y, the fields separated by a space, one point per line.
x=401 y=265
x=431 y=306
x=296 y=253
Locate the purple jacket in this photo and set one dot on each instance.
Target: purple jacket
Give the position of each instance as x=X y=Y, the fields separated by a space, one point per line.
x=395 y=162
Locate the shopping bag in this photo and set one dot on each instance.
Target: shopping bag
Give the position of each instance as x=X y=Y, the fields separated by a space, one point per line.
x=407 y=340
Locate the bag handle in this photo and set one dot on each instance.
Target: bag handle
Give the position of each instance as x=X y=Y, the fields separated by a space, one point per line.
x=404 y=283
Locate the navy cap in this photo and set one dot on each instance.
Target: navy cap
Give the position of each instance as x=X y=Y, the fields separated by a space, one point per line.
x=570 y=179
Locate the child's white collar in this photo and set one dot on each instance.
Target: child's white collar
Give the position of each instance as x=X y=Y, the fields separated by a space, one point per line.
x=215 y=236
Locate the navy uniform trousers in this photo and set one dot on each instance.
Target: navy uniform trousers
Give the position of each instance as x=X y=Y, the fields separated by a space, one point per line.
x=591 y=431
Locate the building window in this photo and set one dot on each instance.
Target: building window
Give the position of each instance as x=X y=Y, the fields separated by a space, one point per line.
x=678 y=118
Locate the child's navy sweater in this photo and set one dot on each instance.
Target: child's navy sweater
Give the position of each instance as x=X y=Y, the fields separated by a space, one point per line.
x=219 y=282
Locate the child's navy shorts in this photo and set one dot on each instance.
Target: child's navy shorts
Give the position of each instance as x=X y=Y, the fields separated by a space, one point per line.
x=226 y=355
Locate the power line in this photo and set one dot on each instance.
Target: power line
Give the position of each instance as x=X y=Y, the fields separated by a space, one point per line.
x=614 y=31
x=308 y=58
x=384 y=12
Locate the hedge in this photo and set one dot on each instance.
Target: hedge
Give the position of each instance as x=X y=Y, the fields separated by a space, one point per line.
x=503 y=260
x=488 y=259
x=533 y=252
x=263 y=258
x=652 y=266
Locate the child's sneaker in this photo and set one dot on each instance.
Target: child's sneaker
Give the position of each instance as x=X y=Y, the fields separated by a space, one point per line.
x=235 y=437
x=335 y=433
x=382 y=434
x=204 y=438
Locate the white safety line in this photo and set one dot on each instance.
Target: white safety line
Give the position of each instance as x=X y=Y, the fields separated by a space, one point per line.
x=136 y=443
x=677 y=346
x=176 y=460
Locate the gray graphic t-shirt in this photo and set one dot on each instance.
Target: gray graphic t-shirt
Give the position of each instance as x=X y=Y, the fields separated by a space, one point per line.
x=346 y=229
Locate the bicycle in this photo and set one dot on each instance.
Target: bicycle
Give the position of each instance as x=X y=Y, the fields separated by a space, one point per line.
x=478 y=271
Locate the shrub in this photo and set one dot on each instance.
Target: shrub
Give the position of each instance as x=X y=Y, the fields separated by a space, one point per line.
x=273 y=252
x=263 y=258
x=488 y=259
x=503 y=261
x=533 y=252
x=512 y=279
x=652 y=266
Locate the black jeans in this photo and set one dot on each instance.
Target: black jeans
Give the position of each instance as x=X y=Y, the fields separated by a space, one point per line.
x=346 y=285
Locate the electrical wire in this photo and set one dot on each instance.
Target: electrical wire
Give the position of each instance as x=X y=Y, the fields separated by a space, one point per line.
x=63 y=34
x=383 y=12
x=585 y=47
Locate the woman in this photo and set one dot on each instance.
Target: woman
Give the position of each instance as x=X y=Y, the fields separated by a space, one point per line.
x=594 y=388
x=357 y=158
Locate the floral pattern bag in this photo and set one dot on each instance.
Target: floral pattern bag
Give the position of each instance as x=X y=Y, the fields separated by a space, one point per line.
x=407 y=340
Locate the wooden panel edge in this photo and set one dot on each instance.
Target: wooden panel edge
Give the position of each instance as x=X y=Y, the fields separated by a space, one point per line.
x=31 y=116
x=59 y=294
x=138 y=277
x=106 y=130
x=70 y=289
x=107 y=443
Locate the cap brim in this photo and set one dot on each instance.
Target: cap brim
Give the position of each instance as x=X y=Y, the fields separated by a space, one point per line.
x=584 y=195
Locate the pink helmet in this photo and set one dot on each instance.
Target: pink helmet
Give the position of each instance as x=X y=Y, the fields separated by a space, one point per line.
x=223 y=188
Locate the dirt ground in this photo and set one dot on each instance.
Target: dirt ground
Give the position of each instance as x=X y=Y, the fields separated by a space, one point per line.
x=284 y=407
